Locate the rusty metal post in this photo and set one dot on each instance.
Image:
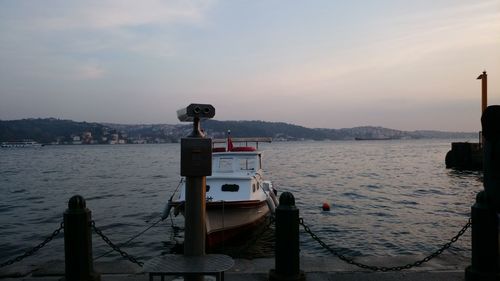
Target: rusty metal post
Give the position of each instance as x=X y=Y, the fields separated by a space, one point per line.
x=287 y=260
x=194 y=241
x=79 y=264
x=484 y=96
x=484 y=90
x=485 y=258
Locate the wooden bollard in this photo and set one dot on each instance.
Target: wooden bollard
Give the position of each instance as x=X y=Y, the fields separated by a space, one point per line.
x=485 y=258
x=287 y=261
x=79 y=264
x=491 y=132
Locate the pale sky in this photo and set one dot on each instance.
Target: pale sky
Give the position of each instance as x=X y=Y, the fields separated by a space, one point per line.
x=332 y=64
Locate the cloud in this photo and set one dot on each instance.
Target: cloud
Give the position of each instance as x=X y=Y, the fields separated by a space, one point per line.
x=110 y=14
x=418 y=41
x=63 y=36
x=86 y=27
x=89 y=71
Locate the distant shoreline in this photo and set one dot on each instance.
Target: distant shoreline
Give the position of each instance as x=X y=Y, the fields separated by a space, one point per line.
x=56 y=131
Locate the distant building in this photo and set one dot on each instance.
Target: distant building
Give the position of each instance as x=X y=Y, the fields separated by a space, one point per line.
x=76 y=140
x=114 y=139
x=87 y=138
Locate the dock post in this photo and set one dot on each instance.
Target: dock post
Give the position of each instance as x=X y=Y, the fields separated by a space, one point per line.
x=485 y=258
x=196 y=164
x=79 y=265
x=287 y=260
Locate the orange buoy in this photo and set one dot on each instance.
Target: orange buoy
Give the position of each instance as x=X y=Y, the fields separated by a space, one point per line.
x=326 y=206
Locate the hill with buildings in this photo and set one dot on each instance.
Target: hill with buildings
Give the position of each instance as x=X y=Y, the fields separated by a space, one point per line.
x=50 y=130
x=57 y=131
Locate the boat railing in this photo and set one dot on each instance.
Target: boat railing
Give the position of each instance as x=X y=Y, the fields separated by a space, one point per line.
x=255 y=141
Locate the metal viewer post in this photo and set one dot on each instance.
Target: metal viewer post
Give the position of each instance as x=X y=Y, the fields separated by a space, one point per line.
x=79 y=265
x=287 y=261
x=485 y=258
x=196 y=164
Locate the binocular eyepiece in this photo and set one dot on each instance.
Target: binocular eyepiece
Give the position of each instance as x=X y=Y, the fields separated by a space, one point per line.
x=195 y=110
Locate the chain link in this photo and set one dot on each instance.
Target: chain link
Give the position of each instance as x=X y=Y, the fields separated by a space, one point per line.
x=272 y=221
x=33 y=250
x=114 y=247
x=383 y=268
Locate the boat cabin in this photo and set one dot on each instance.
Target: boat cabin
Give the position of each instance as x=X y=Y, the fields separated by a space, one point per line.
x=236 y=173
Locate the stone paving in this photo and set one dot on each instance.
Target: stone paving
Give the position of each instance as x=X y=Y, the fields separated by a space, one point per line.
x=444 y=268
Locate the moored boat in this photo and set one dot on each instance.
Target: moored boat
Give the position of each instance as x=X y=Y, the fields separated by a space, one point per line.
x=376 y=138
x=21 y=144
x=238 y=199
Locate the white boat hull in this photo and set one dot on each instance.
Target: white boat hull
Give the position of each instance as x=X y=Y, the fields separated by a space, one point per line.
x=228 y=220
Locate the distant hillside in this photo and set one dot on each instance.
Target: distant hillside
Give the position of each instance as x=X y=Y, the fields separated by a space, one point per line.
x=262 y=129
x=151 y=133
x=53 y=130
x=422 y=134
x=366 y=132
x=283 y=131
x=46 y=130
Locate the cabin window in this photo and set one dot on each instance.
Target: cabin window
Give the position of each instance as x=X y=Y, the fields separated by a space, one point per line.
x=225 y=164
x=253 y=187
x=230 y=187
x=247 y=164
x=208 y=188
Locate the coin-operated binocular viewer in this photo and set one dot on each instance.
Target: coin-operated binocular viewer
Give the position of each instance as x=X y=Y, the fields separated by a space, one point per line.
x=196 y=165
x=196 y=150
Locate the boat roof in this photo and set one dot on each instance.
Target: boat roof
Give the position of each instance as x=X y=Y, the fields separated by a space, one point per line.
x=237 y=153
x=246 y=140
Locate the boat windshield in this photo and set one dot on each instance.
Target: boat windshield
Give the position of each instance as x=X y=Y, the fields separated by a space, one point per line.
x=230 y=164
x=247 y=164
x=225 y=165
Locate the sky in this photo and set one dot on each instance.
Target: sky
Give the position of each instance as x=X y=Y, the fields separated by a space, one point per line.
x=399 y=64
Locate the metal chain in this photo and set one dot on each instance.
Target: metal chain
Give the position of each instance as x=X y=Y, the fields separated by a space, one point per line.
x=383 y=268
x=132 y=238
x=272 y=221
x=114 y=247
x=34 y=249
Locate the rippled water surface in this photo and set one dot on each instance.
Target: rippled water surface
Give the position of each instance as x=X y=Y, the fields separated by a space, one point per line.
x=387 y=197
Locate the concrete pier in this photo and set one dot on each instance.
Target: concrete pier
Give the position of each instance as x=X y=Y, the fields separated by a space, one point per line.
x=446 y=267
x=465 y=156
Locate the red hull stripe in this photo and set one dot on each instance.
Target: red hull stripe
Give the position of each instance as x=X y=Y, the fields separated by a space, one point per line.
x=225 y=204
x=243 y=148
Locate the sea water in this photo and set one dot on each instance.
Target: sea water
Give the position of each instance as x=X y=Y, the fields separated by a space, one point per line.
x=387 y=198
